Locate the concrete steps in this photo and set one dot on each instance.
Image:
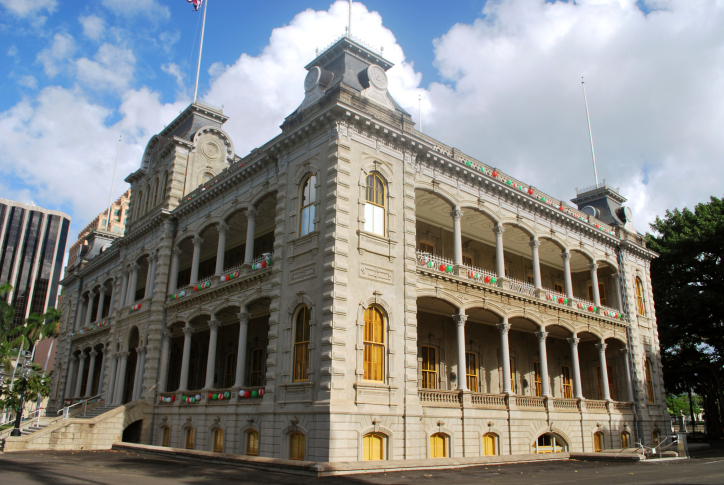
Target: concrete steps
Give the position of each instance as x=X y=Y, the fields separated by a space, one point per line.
x=97 y=411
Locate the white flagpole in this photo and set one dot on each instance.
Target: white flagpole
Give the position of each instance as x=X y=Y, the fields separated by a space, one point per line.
x=201 y=46
x=349 y=25
x=590 y=133
x=110 y=198
x=419 y=110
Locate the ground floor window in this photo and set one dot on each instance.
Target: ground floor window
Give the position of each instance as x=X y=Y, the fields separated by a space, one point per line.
x=471 y=370
x=252 y=443
x=598 y=442
x=550 y=443
x=438 y=445
x=373 y=447
x=218 y=440
x=625 y=439
x=655 y=436
x=490 y=444
x=296 y=446
x=166 y=435
x=567 y=388
x=190 y=439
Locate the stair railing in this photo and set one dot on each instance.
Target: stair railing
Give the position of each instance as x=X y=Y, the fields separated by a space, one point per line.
x=84 y=402
x=38 y=412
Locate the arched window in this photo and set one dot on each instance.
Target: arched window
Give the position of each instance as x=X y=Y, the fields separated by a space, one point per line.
x=166 y=436
x=309 y=197
x=625 y=440
x=490 y=444
x=190 y=438
x=640 y=297
x=537 y=381
x=438 y=445
x=218 y=440
x=373 y=447
x=550 y=443
x=375 y=205
x=374 y=345
x=429 y=367
x=165 y=185
x=598 y=442
x=649 y=381
x=140 y=203
x=256 y=373
x=252 y=443
x=655 y=436
x=567 y=386
x=155 y=194
x=296 y=446
x=301 y=344
x=148 y=198
x=206 y=178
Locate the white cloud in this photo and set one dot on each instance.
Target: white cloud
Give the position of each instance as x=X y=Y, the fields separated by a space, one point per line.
x=26 y=8
x=13 y=51
x=112 y=68
x=150 y=8
x=172 y=69
x=94 y=27
x=57 y=54
x=28 y=81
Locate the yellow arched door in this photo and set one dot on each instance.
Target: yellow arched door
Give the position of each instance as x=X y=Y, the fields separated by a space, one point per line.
x=598 y=442
x=373 y=447
x=438 y=446
x=490 y=447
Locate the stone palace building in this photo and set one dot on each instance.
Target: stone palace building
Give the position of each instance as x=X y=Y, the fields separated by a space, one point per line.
x=356 y=290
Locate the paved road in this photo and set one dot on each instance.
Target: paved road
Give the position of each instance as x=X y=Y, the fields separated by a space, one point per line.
x=113 y=467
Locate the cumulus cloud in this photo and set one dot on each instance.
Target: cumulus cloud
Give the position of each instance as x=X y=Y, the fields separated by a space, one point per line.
x=113 y=68
x=93 y=26
x=28 y=81
x=27 y=8
x=54 y=57
x=173 y=70
x=149 y=8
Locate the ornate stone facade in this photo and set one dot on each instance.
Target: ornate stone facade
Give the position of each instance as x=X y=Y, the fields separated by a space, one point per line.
x=354 y=289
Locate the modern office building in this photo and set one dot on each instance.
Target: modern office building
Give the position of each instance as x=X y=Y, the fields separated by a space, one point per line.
x=31 y=258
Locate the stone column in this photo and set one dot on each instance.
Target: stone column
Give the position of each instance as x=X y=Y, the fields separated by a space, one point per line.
x=69 y=378
x=103 y=369
x=250 y=229
x=137 y=373
x=594 y=284
x=460 y=319
x=112 y=378
x=197 y=242
x=221 y=248
x=577 y=388
x=457 y=215
x=79 y=379
x=101 y=302
x=534 y=245
x=91 y=372
x=184 y=383
x=211 y=358
x=604 y=370
x=173 y=281
x=132 y=284
x=121 y=378
x=89 y=310
x=141 y=371
x=147 y=291
x=504 y=328
x=566 y=256
x=165 y=353
x=124 y=290
x=244 y=318
x=627 y=370
x=499 y=254
x=152 y=282
x=79 y=315
x=112 y=305
x=617 y=291
x=545 y=387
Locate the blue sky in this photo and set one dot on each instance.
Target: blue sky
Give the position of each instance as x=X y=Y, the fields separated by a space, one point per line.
x=499 y=80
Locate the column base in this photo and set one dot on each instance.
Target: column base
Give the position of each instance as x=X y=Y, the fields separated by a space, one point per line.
x=502 y=282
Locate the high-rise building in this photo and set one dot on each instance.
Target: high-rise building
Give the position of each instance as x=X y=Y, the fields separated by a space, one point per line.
x=33 y=244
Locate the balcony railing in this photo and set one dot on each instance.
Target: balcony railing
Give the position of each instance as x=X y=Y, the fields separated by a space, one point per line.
x=521 y=287
x=433 y=262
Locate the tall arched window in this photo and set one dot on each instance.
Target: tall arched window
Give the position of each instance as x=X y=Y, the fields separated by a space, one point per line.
x=373 y=447
x=640 y=297
x=190 y=438
x=649 y=381
x=148 y=198
x=218 y=440
x=206 y=177
x=155 y=194
x=301 y=344
x=165 y=185
x=252 y=443
x=140 y=203
x=374 y=345
x=375 y=205
x=625 y=440
x=166 y=436
x=296 y=446
x=309 y=197
x=490 y=444
x=598 y=442
x=438 y=445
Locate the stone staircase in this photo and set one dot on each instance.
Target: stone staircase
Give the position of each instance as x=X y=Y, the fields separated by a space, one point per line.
x=96 y=411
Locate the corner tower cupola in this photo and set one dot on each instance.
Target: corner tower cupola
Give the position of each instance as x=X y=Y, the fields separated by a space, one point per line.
x=605 y=204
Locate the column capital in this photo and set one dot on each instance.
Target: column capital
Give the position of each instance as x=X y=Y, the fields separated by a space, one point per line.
x=573 y=341
x=222 y=227
x=91 y=294
x=503 y=327
x=82 y=356
x=456 y=214
x=197 y=241
x=188 y=331
x=167 y=333
x=244 y=317
x=593 y=266
x=566 y=256
x=542 y=335
x=251 y=214
x=123 y=355
x=624 y=351
x=93 y=354
x=102 y=290
x=460 y=319
x=176 y=251
x=139 y=350
x=214 y=324
x=601 y=347
x=534 y=243
x=616 y=276
x=498 y=229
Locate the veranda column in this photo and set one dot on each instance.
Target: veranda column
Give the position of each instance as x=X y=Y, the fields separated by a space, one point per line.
x=136 y=374
x=566 y=256
x=141 y=371
x=147 y=290
x=184 y=381
x=211 y=358
x=594 y=284
x=627 y=369
x=457 y=216
x=132 y=284
x=504 y=328
x=545 y=387
x=124 y=290
x=72 y=362
x=91 y=371
x=101 y=302
x=460 y=319
x=112 y=378
x=197 y=242
x=577 y=388
x=79 y=315
x=173 y=282
x=499 y=254
x=163 y=372
x=617 y=291
x=104 y=362
x=534 y=245
x=79 y=379
x=604 y=370
x=152 y=281
x=221 y=248
x=112 y=304
x=250 y=230
x=89 y=310
x=244 y=317
x=121 y=378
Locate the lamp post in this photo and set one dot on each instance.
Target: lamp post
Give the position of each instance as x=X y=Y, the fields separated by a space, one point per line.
x=25 y=374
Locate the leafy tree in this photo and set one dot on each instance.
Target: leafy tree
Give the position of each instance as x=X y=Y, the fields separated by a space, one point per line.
x=38 y=385
x=678 y=404
x=688 y=286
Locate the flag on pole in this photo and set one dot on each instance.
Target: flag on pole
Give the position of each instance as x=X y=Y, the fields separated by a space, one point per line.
x=196 y=4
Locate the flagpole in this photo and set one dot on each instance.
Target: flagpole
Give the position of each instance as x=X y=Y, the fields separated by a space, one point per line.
x=113 y=183
x=349 y=25
x=201 y=46
x=590 y=132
